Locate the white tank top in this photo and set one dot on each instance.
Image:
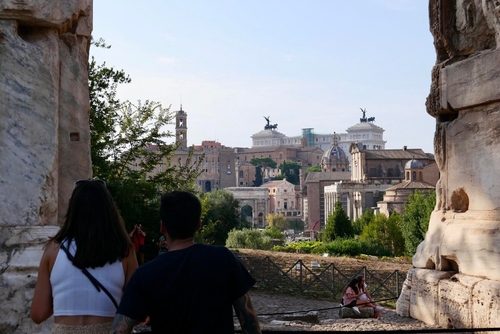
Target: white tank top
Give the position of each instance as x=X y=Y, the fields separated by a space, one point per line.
x=74 y=294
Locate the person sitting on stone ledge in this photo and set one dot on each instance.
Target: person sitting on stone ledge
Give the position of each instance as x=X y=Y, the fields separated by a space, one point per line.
x=365 y=296
x=86 y=265
x=351 y=297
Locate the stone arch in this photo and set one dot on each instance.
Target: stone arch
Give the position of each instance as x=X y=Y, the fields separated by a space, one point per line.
x=257 y=199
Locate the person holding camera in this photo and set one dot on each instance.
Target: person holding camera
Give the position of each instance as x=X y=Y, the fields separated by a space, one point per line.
x=138 y=237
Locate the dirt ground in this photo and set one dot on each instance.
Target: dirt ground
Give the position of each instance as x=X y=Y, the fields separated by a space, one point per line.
x=373 y=263
x=274 y=309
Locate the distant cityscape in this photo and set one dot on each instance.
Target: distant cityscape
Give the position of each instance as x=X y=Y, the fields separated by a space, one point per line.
x=356 y=169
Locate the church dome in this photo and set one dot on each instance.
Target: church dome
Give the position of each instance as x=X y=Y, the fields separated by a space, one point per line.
x=334 y=159
x=334 y=153
x=414 y=164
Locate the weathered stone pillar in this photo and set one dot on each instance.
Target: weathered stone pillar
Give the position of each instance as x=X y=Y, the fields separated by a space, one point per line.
x=44 y=137
x=456 y=280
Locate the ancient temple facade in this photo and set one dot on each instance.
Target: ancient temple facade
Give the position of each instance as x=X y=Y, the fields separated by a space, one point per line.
x=45 y=138
x=455 y=281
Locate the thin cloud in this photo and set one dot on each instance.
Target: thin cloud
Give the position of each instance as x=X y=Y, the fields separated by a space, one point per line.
x=169 y=38
x=166 y=60
x=289 y=57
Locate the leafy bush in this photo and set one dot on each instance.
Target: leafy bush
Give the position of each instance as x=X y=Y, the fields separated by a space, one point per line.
x=351 y=247
x=374 y=247
x=272 y=232
x=248 y=238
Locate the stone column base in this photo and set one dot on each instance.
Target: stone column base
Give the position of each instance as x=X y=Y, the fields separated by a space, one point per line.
x=450 y=300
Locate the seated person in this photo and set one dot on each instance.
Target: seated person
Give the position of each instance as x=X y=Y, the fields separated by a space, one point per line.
x=351 y=295
x=365 y=296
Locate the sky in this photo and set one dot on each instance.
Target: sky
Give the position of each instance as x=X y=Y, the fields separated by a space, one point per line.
x=302 y=63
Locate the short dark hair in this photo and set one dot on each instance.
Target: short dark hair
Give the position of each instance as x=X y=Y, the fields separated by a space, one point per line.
x=180 y=213
x=95 y=224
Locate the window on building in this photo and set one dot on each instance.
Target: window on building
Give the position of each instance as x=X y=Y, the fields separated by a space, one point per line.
x=285 y=205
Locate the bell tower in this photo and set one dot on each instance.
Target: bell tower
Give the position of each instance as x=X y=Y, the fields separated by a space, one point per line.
x=181 y=128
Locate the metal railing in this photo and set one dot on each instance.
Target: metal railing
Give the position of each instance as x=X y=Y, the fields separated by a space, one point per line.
x=314 y=279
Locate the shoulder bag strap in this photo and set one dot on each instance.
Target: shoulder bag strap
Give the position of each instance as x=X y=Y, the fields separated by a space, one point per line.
x=92 y=279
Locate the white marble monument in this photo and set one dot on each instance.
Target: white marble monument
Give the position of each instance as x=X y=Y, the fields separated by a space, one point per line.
x=44 y=137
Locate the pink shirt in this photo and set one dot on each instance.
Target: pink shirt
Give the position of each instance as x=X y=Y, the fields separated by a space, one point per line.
x=348 y=299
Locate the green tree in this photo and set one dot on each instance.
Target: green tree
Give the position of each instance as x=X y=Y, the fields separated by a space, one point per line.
x=260 y=164
x=257 y=182
x=291 y=171
x=221 y=215
x=362 y=221
x=338 y=225
x=386 y=231
x=263 y=162
x=316 y=168
x=273 y=233
x=415 y=219
x=277 y=221
x=127 y=146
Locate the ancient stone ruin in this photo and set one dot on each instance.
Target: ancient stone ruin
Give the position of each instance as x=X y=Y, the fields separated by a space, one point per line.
x=45 y=139
x=456 y=279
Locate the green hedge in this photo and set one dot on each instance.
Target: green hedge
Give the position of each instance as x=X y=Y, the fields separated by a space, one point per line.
x=349 y=247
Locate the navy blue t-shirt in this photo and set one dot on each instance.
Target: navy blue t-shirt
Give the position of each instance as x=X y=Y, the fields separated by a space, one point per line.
x=187 y=291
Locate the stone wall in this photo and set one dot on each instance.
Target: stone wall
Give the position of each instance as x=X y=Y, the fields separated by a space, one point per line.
x=460 y=255
x=45 y=140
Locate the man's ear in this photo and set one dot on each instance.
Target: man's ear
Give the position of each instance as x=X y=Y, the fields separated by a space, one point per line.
x=199 y=226
x=163 y=230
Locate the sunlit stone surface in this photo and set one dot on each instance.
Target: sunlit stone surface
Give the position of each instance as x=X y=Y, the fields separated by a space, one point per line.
x=44 y=136
x=456 y=280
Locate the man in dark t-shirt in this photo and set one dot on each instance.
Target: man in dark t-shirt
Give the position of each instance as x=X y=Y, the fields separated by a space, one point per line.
x=192 y=288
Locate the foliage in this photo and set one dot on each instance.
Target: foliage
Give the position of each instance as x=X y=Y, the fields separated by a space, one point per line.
x=339 y=247
x=127 y=146
x=259 y=164
x=351 y=247
x=362 y=221
x=263 y=162
x=278 y=221
x=248 y=238
x=386 y=231
x=273 y=233
x=338 y=225
x=415 y=219
x=257 y=182
x=291 y=171
x=316 y=168
x=374 y=247
x=301 y=247
x=221 y=215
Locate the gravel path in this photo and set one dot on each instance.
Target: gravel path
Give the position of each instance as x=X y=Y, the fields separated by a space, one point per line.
x=329 y=320
x=270 y=309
